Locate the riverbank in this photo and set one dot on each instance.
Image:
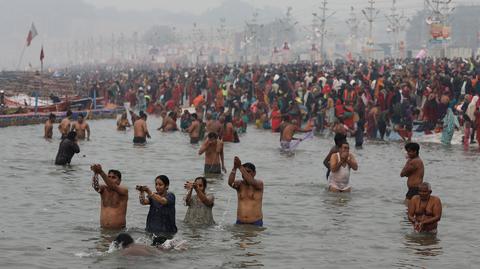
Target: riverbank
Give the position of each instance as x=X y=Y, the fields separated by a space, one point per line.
x=39 y=118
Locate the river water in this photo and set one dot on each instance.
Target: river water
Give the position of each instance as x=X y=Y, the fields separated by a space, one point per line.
x=50 y=214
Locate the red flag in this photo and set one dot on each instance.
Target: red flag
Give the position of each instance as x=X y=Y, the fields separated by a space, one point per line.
x=31 y=34
x=42 y=55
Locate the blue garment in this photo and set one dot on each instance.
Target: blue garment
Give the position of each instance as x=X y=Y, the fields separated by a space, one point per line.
x=258 y=223
x=161 y=218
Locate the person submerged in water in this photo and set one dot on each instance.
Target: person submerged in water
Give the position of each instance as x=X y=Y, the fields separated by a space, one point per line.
x=425 y=210
x=128 y=247
x=140 y=130
x=340 y=165
x=68 y=147
x=249 y=193
x=49 y=126
x=114 y=198
x=413 y=169
x=200 y=205
x=213 y=149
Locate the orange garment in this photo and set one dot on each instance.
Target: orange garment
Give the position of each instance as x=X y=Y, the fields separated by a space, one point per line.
x=198 y=100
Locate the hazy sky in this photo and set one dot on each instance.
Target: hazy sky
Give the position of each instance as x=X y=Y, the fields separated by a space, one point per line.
x=197 y=6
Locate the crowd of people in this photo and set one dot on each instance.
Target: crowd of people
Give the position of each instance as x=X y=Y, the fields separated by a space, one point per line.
x=358 y=99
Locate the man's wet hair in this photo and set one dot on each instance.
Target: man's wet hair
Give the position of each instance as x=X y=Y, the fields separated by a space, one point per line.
x=250 y=166
x=412 y=146
x=69 y=113
x=123 y=240
x=80 y=115
x=116 y=172
x=194 y=115
x=164 y=179
x=339 y=138
x=212 y=135
x=52 y=116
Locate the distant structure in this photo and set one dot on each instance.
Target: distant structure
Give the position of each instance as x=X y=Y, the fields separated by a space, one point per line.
x=464 y=32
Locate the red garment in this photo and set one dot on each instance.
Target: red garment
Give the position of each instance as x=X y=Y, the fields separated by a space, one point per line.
x=276 y=120
x=228 y=134
x=339 y=111
x=170 y=105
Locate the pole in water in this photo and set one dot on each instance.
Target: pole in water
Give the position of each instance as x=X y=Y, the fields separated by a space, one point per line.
x=36 y=102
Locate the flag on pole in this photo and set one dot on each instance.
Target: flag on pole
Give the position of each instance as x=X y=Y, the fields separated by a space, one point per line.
x=42 y=55
x=31 y=34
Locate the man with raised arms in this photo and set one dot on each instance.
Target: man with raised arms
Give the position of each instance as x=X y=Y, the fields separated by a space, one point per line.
x=249 y=193
x=413 y=169
x=82 y=128
x=114 y=198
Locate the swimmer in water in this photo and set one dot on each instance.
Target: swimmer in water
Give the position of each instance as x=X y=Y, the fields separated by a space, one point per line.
x=68 y=147
x=140 y=130
x=123 y=123
x=249 y=193
x=114 y=198
x=425 y=210
x=65 y=125
x=49 y=126
x=128 y=247
x=194 y=129
x=413 y=169
x=214 y=160
x=82 y=128
x=340 y=165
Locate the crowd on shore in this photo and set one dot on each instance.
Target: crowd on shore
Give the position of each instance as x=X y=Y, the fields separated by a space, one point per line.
x=360 y=98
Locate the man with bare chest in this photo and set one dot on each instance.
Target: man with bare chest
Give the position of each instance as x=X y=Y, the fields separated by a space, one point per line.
x=413 y=169
x=213 y=149
x=65 y=125
x=82 y=128
x=249 y=193
x=425 y=210
x=114 y=198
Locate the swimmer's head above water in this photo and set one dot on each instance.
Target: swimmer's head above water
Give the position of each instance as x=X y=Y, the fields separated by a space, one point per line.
x=123 y=240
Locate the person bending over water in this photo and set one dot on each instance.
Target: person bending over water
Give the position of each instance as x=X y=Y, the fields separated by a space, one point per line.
x=249 y=193
x=49 y=126
x=340 y=165
x=413 y=169
x=82 y=128
x=140 y=130
x=287 y=131
x=161 y=216
x=200 y=205
x=68 y=147
x=128 y=247
x=213 y=149
x=425 y=210
x=114 y=198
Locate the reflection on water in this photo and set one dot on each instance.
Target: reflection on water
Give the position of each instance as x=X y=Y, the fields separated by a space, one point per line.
x=423 y=244
x=247 y=238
